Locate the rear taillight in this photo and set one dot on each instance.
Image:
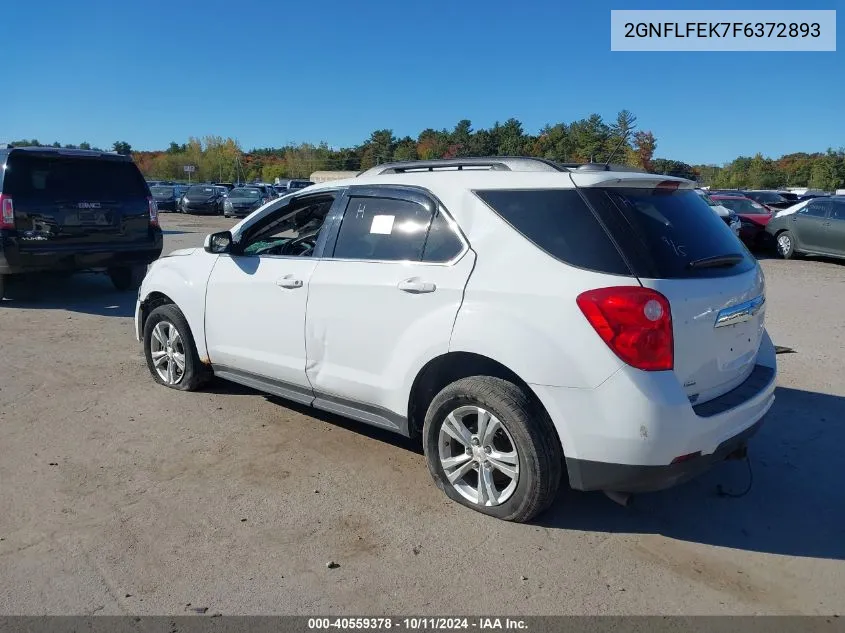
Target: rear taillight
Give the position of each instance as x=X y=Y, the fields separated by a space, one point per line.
x=7 y=212
x=153 y=211
x=635 y=322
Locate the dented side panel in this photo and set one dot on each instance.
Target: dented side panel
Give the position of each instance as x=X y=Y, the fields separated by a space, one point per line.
x=367 y=339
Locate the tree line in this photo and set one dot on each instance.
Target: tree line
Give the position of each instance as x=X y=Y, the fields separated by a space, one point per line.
x=590 y=139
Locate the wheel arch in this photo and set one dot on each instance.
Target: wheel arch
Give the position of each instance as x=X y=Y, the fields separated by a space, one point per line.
x=150 y=303
x=183 y=297
x=448 y=368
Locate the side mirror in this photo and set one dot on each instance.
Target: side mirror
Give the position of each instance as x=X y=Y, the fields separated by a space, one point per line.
x=217 y=243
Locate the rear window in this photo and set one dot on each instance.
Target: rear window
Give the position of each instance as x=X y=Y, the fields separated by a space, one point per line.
x=662 y=232
x=560 y=223
x=161 y=191
x=72 y=178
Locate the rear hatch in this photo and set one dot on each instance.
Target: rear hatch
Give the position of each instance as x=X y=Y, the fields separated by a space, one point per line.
x=66 y=200
x=676 y=245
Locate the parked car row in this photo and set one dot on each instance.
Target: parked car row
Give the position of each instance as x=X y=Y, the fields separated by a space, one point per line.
x=212 y=198
x=790 y=224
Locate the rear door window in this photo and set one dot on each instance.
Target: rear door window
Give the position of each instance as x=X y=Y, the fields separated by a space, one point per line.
x=382 y=229
x=668 y=233
x=72 y=178
x=561 y=224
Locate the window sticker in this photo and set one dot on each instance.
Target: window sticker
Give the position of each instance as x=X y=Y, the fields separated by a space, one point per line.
x=382 y=224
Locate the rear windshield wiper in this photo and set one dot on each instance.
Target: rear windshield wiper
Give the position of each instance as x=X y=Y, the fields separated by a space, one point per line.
x=717 y=261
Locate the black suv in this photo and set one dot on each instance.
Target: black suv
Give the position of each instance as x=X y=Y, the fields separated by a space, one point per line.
x=75 y=210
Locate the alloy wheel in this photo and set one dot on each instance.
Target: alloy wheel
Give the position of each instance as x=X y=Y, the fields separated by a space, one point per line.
x=478 y=456
x=168 y=353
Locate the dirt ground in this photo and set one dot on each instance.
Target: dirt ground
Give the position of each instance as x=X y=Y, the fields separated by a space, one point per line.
x=118 y=496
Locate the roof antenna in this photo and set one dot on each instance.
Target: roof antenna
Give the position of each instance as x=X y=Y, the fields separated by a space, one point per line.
x=616 y=149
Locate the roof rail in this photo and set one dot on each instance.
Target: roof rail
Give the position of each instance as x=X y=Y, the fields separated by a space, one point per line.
x=606 y=167
x=493 y=163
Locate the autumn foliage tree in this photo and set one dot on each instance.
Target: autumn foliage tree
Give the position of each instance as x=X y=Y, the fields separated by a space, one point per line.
x=588 y=139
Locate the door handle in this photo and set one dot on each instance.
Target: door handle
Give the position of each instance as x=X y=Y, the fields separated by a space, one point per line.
x=415 y=286
x=289 y=282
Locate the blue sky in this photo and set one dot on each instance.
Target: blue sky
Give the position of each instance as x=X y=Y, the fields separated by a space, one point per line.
x=270 y=73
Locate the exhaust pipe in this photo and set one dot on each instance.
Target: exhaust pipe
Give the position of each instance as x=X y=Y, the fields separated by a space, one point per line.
x=622 y=498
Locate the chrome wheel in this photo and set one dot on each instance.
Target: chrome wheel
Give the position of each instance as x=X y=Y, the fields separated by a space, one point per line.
x=478 y=456
x=784 y=243
x=168 y=353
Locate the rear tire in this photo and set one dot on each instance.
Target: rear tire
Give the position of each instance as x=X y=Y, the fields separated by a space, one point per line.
x=170 y=351
x=2 y=286
x=785 y=245
x=127 y=277
x=515 y=449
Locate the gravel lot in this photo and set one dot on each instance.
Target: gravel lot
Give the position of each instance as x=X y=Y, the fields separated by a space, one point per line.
x=118 y=496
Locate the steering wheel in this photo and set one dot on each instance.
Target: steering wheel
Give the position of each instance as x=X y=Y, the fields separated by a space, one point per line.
x=301 y=246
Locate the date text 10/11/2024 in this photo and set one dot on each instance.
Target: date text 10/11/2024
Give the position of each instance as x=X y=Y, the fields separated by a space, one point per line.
x=418 y=623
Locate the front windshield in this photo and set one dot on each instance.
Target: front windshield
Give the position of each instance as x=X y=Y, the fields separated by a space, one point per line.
x=200 y=192
x=245 y=193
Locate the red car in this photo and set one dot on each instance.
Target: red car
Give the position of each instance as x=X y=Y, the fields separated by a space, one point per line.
x=753 y=217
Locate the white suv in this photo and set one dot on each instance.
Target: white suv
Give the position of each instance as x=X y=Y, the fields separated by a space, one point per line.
x=524 y=318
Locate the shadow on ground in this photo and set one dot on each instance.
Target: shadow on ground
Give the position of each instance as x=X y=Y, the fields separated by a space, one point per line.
x=224 y=387
x=86 y=293
x=795 y=507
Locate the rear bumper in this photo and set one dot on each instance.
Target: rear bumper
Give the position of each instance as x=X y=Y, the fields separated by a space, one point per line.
x=82 y=257
x=166 y=205
x=625 y=434
x=631 y=478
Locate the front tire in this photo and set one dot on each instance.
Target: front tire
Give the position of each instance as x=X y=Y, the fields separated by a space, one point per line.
x=170 y=351
x=490 y=447
x=785 y=244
